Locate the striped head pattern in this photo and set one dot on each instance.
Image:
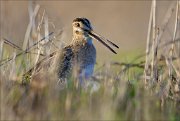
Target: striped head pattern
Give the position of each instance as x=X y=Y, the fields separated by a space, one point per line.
x=82 y=29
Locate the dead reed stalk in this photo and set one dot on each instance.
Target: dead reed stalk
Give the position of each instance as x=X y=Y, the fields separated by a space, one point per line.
x=151 y=70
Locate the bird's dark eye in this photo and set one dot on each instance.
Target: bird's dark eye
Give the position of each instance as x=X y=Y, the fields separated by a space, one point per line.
x=77 y=32
x=77 y=24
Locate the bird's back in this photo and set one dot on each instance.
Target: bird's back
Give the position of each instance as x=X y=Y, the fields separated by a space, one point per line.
x=65 y=62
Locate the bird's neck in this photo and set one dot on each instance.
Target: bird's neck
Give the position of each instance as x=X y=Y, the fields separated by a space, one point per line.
x=81 y=39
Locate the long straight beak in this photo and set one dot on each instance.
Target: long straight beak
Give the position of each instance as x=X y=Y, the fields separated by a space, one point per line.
x=101 y=39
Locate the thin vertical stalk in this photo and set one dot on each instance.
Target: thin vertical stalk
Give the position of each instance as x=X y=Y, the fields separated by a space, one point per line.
x=46 y=27
x=1 y=53
x=172 y=50
x=1 y=49
x=148 y=44
x=29 y=28
x=178 y=31
x=175 y=30
x=154 y=44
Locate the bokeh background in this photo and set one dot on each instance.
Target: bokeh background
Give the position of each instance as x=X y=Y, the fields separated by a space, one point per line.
x=124 y=22
x=145 y=89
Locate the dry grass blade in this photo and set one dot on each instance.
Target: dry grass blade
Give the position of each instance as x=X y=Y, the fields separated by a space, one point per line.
x=157 y=34
x=30 y=84
x=12 y=75
x=129 y=65
x=175 y=31
x=166 y=20
x=25 y=51
x=172 y=49
x=148 y=45
x=6 y=41
x=28 y=31
x=1 y=49
x=154 y=73
x=169 y=43
x=40 y=63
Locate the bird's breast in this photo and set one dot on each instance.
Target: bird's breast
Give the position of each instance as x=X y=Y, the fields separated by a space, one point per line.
x=85 y=58
x=86 y=55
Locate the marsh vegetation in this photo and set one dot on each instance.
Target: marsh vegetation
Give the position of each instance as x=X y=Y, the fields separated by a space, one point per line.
x=145 y=87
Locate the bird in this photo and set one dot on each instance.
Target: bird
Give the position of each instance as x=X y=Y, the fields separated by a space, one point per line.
x=80 y=55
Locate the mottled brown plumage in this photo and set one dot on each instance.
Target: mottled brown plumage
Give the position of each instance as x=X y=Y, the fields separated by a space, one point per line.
x=76 y=56
x=80 y=55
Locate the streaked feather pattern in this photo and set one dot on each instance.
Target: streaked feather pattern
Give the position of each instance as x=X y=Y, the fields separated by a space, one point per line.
x=80 y=55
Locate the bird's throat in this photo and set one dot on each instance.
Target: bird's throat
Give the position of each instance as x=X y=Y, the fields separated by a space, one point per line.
x=81 y=38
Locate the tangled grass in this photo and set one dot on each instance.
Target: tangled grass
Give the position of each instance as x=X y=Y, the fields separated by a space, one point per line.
x=145 y=89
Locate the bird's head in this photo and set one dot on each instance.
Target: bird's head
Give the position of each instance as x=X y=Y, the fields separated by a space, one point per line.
x=82 y=29
x=79 y=27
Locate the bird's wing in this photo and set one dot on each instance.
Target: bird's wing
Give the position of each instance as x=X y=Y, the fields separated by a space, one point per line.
x=65 y=62
x=62 y=64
